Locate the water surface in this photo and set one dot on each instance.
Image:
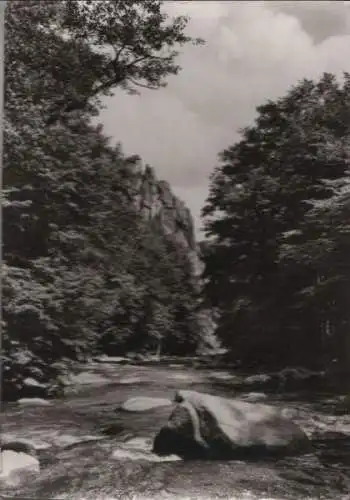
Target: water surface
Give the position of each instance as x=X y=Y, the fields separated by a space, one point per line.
x=89 y=449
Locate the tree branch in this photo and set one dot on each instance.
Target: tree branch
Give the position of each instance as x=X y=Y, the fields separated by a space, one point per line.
x=144 y=86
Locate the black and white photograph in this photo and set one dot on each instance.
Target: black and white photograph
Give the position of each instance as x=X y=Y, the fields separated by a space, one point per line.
x=175 y=249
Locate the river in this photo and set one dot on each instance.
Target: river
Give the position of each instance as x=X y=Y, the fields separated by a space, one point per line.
x=89 y=449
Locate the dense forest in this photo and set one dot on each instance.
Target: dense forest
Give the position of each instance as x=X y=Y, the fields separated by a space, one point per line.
x=278 y=242
x=83 y=271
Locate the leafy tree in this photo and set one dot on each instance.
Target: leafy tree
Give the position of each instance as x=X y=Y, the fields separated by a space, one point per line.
x=323 y=246
x=75 y=265
x=163 y=313
x=91 y=48
x=292 y=160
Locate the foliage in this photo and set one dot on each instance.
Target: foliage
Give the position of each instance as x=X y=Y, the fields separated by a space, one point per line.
x=83 y=271
x=91 y=48
x=277 y=229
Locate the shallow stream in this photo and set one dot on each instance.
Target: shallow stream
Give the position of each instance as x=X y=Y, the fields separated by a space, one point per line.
x=89 y=449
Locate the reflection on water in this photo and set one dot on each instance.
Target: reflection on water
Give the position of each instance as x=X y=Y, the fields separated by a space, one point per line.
x=89 y=449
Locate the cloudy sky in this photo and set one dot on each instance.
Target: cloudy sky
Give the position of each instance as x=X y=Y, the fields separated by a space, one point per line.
x=255 y=50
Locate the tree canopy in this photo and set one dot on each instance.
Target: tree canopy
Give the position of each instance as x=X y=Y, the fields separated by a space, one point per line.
x=83 y=271
x=277 y=228
x=91 y=48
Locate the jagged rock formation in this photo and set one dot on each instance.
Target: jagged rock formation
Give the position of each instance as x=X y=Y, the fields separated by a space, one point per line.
x=155 y=199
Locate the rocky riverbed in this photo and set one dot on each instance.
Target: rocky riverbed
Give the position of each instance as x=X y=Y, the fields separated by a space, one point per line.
x=91 y=446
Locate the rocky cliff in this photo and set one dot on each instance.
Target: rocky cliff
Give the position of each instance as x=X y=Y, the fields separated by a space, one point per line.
x=155 y=200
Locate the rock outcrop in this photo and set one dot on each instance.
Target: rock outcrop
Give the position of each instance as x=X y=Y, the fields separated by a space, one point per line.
x=203 y=426
x=156 y=201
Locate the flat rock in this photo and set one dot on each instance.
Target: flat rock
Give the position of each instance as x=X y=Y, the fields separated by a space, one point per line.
x=185 y=377
x=130 y=380
x=222 y=376
x=123 y=453
x=144 y=403
x=34 y=389
x=256 y=379
x=63 y=440
x=31 y=382
x=254 y=396
x=139 y=443
x=90 y=378
x=34 y=402
x=140 y=449
x=111 y=359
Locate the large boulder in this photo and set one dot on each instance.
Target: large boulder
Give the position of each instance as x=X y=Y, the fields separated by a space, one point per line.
x=203 y=426
x=19 y=463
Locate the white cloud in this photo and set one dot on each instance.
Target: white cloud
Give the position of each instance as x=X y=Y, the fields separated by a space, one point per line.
x=254 y=51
